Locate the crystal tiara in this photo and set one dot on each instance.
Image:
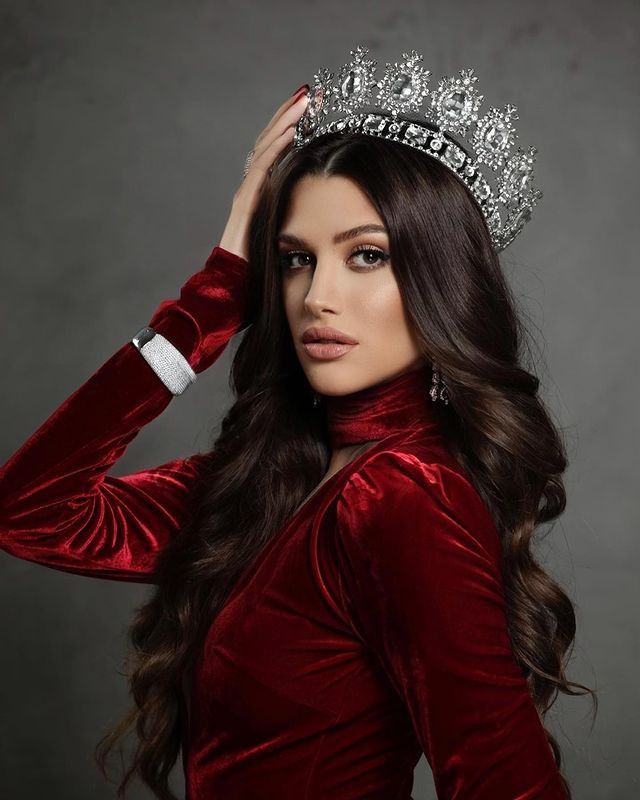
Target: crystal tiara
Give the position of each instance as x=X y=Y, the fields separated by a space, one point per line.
x=440 y=130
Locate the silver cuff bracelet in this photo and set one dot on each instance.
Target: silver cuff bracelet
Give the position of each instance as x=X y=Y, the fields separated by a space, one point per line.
x=165 y=360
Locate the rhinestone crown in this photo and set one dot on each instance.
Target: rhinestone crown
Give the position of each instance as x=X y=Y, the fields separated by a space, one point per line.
x=441 y=129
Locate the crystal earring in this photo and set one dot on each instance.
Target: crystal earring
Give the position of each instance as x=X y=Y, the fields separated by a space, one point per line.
x=316 y=399
x=438 y=389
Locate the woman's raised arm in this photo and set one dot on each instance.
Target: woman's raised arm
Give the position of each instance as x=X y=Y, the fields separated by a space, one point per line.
x=58 y=507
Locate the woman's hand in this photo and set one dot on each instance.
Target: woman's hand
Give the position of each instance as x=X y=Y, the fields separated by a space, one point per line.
x=269 y=144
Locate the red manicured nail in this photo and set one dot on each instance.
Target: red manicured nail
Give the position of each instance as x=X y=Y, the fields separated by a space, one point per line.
x=303 y=88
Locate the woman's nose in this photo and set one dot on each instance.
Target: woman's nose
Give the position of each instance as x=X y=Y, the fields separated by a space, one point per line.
x=323 y=291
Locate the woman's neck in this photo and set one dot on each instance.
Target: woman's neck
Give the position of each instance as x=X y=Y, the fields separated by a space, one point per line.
x=397 y=404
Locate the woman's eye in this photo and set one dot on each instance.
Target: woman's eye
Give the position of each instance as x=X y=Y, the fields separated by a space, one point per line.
x=285 y=259
x=372 y=257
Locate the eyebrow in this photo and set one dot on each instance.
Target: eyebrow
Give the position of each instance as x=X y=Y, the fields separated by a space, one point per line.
x=288 y=238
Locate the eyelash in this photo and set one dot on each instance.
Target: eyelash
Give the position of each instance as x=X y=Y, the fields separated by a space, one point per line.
x=284 y=258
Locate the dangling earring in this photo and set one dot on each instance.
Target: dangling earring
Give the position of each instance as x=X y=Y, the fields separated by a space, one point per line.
x=438 y=389
x=316 y=399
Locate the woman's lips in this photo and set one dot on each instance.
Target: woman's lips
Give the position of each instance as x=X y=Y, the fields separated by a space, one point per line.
x=327 y=351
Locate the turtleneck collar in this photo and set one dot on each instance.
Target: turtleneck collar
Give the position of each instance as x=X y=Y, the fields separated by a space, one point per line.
x=398 y=404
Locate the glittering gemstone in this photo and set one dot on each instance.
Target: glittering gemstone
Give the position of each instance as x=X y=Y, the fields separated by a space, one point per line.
x=454 y=103
x=520 y=179
x=496 y=136
x=352 y=84
x=402 y=86
x=521 y=216
x=373 y=124
x=482 y=189
x=305 y=124
x=454 y=155
x=494 y=221
x=470 y=171
x=415 y=135
x=435 y=144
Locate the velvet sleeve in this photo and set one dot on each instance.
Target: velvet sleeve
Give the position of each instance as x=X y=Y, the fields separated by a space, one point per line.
x=58 y=506
x=420 y=564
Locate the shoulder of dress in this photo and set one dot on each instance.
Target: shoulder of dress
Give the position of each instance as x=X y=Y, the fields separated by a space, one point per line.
x=411 y=466
x=413 y=481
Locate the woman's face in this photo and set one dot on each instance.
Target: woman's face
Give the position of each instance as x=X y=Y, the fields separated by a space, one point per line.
x=328 y=281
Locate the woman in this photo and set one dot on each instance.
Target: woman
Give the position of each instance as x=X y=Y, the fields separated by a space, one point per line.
x=345 y=581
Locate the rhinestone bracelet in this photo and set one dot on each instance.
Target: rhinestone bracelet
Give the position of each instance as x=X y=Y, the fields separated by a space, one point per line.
x=165 y=360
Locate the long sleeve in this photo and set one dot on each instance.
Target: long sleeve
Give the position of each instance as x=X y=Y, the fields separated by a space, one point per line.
x=419 y=558
x=58 y=507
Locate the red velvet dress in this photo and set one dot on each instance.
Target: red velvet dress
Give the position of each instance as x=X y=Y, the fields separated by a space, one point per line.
x=370 y=630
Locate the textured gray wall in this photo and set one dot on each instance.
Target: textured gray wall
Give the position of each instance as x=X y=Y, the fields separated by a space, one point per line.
x=124 y=131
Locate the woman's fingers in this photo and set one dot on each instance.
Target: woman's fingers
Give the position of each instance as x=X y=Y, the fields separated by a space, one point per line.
x=264 y=158
x=285 y=120
x=271 y=142
x=288 y=103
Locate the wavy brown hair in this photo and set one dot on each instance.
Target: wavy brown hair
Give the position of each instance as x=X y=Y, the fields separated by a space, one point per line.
x=272 y=449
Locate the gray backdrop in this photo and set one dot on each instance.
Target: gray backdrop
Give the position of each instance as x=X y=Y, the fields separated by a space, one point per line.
x=124 y=131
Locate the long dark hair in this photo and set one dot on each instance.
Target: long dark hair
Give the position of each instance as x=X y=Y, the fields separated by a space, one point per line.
x=272 y=449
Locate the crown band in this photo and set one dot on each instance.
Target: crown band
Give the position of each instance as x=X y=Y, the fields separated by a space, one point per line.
x=452 y=110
